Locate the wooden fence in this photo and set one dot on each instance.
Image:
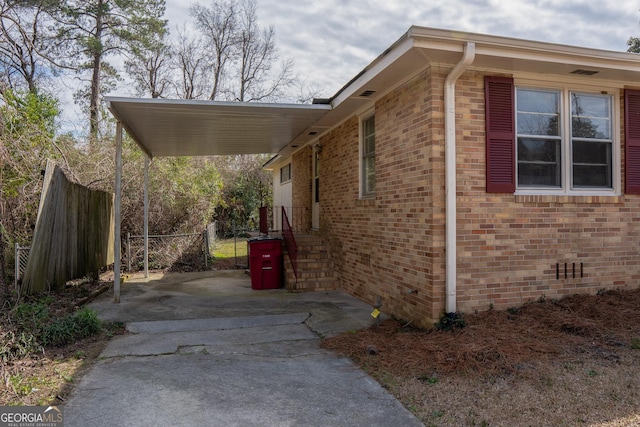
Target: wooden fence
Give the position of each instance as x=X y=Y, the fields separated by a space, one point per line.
x=73 y=236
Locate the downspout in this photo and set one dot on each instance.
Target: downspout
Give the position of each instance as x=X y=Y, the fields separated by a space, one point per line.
x=450 y=173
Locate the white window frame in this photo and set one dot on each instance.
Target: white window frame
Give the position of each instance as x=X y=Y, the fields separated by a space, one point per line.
x=361 y=154
x=565 y=133
x=288 y=165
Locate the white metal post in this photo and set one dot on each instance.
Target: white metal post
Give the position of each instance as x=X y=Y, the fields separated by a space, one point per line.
x=146 y=216
x=118 y=204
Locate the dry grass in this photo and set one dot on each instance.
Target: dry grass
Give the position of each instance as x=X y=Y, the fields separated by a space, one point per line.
x=550 y=363
x=47 y=378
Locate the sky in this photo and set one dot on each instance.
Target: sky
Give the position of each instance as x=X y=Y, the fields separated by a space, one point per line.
x=331 y=41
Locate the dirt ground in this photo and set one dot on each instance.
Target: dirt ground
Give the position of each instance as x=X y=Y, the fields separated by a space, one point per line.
x=573 y=362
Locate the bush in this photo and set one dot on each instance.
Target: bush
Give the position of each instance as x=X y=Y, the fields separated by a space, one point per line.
x=30 y=328
x=71 y=327
x=450 y=321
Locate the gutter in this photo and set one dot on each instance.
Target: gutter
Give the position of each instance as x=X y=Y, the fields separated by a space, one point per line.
x=450 y=174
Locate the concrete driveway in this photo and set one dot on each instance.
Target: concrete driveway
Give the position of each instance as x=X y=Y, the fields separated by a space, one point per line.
x=204 y=349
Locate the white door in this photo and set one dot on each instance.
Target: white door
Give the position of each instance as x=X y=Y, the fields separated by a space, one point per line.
x=315 y=190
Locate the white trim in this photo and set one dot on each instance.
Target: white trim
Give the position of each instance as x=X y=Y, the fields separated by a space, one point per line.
x=383 y=61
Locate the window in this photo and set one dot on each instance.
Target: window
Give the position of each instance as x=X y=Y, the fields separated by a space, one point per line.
x=564 y=140
x=551 y=141
x=285 y=173
x=368 y=160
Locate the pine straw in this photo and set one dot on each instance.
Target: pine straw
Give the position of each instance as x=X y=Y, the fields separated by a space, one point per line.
x=501 y=343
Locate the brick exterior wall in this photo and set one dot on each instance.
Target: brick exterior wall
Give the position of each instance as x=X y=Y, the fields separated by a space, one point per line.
x=301 y=190
x=384 y=246
x=393 y=246
x=514 y=249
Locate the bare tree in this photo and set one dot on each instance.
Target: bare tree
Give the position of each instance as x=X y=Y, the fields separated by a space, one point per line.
x=240 y=54
x=257 y=54
x=218 y=25
x=24 y=39
x=149 y=66
x=191 y=66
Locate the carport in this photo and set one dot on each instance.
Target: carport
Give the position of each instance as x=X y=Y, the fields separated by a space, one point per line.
x=163 y=128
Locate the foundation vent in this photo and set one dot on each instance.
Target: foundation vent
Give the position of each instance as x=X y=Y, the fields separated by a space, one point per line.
x=569 y=270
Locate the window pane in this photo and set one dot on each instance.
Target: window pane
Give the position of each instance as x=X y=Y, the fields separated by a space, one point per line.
x=591 y=116
x=369 y=145
x=591 y=176
x=539 y=162
x=537 y=124
x=368 y=136
x=369 y=174
x=368 y=126
x=538 y=112
x=368 y=155
x=592 y=164
x=538 y=150
x=587 y=127
x=285 y=173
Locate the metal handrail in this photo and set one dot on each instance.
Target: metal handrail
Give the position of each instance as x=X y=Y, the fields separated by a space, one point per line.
x=290 y=242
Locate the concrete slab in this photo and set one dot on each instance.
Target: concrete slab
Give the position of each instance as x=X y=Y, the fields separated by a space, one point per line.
x=206 y=350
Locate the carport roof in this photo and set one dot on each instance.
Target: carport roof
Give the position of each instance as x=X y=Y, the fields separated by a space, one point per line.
x=164 y=127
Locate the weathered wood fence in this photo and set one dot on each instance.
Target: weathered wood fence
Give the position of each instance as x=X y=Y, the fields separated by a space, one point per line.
x=73 y=236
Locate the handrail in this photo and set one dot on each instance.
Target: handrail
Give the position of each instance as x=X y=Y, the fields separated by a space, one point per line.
x=290 y=242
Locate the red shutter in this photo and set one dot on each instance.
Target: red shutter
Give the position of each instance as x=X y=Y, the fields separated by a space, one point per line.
x=500 y=130
x=632 y=141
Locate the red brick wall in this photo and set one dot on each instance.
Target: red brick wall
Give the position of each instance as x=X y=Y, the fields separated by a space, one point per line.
x=508 y=245
x=384 y=246
x=301 y=189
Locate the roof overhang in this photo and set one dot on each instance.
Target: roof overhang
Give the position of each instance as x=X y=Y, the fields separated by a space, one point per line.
x=164 y=127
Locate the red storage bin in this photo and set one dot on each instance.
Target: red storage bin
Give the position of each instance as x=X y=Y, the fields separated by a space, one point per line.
x=265 y=262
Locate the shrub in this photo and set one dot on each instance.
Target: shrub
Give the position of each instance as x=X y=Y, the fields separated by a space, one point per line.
x=71 y=327
x=29 y=328
x=450 y=321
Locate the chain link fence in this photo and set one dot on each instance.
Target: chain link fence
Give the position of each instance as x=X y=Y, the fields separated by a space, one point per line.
x=228 y=244
x=173 y=252
x=222 y=245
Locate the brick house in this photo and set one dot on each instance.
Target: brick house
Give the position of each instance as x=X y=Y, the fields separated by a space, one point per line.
x=459 y=172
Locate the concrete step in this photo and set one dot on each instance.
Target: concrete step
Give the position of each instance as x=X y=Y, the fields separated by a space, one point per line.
x=326 y=284
x=314 y=268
